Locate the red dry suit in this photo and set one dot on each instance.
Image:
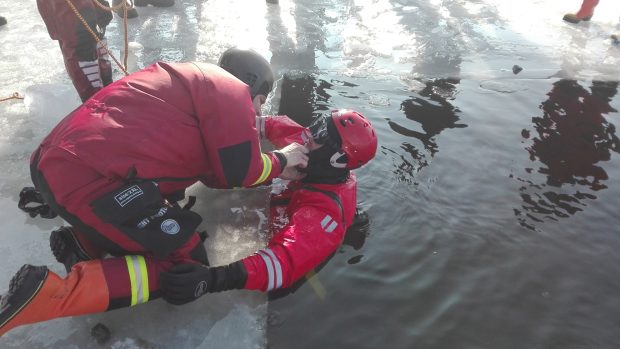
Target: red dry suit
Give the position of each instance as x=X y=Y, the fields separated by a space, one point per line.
x=317 y=214
x=172 y=124
x=86 y=62
x=308 y=221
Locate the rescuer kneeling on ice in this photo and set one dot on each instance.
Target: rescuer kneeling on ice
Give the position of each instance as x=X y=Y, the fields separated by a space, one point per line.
x=114 y=169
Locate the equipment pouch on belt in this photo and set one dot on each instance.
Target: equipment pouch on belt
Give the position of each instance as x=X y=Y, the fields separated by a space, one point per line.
x=139 y=211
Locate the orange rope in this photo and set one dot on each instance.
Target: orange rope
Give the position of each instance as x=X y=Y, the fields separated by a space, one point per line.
x=15 y=95
x=96 y=37
x=115 y=8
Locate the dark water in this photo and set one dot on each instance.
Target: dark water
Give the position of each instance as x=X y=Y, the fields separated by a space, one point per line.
x=494 y=219
x=493 y=203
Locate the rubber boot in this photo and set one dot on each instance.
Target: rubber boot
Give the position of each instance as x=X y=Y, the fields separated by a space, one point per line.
x=37 y=294
x=70 y=247
x=585 y=13
x=156 y=3
x=131 y=12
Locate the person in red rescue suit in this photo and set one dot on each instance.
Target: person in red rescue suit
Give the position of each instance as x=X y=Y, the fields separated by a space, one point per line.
x=86 y=60
x=114 y=167
x=318 y=210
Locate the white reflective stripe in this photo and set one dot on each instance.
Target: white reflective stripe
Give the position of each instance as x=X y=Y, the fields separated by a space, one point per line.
x=277 y=265
x=331 y=227
x=94 y=70
x=270 y=276
x=87 y=64
x=325 y=221
x=91 y=70
x=93 y=76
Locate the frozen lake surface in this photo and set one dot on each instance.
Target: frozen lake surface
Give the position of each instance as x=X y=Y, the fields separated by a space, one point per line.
x=480 y=238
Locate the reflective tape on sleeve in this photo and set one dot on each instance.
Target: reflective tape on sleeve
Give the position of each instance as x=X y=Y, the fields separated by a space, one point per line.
x=274 y=269
x=139 y=279
x=267 y=165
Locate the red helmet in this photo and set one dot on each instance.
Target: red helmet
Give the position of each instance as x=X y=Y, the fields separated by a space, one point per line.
x=359 y=141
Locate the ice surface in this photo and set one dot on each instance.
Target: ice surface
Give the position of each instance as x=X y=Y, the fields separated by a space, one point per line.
x=405 y=41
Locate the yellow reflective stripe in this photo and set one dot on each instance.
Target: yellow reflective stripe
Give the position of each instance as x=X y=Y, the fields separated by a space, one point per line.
x=138 y=278
x=316 y=284
x=266 y=169
x=145 y=279
x=132 y=280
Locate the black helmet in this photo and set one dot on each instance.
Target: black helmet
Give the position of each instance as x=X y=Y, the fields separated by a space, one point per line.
x=249 y=67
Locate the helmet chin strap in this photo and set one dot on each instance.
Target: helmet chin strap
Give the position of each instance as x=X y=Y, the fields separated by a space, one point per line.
x=334 y=160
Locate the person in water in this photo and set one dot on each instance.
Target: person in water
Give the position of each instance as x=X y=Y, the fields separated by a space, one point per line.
x=310 y=217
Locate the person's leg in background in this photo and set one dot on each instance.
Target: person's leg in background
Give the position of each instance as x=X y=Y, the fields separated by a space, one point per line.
x=585 y=13
x=88 y=69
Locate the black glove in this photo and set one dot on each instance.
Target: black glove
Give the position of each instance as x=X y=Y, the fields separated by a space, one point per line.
x=184 y=283
x=282 y=159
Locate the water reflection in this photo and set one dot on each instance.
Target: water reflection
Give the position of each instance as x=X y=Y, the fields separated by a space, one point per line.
x=434 y=112
x=295 y=30
x=571 y=140
x=166 y=35
x=303 y=97
x=436 y=65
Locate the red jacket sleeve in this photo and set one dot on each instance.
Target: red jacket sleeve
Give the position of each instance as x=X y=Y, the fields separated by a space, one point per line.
x=227 y=121
x=314 y=232
x=280 y=130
